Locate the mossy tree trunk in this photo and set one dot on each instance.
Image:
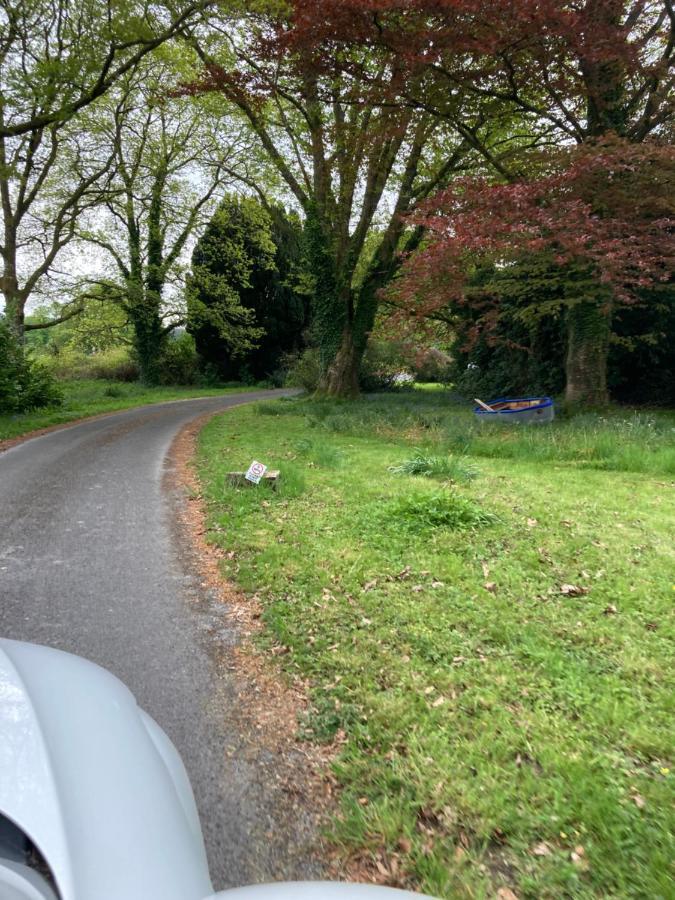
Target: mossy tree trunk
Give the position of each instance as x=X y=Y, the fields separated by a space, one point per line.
x=589 y=322
x=149 y=327
x=145 y=281
x=14 y=305
x=149 y=333
x=342 y=376
x=588 y=332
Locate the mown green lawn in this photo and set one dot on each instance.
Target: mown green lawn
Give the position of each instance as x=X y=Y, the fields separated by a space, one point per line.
x=91 y=397
x=493 y=653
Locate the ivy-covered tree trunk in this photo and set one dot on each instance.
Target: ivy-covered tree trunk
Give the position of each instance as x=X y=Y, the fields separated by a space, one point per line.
x=332 y=302
x=344 y=318
x=14 y=308
x=14 y=302
x=343 y=325
x=144 y=307
x=588 y=331
x=149 y=344
x=342 y=376
x=145 y=286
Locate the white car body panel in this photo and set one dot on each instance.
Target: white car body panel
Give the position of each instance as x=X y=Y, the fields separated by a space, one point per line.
x=18 y=882
x=316 y=890
x=102 y=793
x=27 y=788
x=104 y=809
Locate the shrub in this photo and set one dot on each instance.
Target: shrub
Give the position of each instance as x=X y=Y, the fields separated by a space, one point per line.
x=384 y=365
x=40 y=389
x=24 y=384
x=208 y=373
x=434 y=366
x=180 y=363
x=114 y=390
x=115 y=364
x=304 y=370
x=277 y=378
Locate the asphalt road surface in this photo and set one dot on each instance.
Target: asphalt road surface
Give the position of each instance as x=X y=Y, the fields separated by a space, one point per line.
x=90 y=563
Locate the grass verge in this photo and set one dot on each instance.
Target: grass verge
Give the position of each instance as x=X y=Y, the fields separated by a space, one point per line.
x=493 y=657
x=94 y=396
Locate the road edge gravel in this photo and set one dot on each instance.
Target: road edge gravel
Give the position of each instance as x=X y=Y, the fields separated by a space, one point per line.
x=270 y=703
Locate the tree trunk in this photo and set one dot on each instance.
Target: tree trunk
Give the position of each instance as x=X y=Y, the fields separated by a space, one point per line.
x=588 y=330
x=9 y=284
x=605 y=78
x=342 y=376
x=149 y=337
x=149 y=345
x=14 y=309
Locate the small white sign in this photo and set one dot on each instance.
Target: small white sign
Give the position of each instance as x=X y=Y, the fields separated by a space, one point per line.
x=255 y=471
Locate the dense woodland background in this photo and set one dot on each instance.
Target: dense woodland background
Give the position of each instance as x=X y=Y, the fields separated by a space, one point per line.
x=340 y=195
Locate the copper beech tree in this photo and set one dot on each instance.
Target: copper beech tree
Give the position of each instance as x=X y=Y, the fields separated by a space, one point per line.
x=572 y=74
x=605 y=215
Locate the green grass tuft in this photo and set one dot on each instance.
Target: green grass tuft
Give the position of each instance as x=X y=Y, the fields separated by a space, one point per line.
x=320 y=453
x=449 y=468
x=439 y=510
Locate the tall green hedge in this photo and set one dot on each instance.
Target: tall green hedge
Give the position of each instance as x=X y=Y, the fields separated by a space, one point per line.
x=248 y=294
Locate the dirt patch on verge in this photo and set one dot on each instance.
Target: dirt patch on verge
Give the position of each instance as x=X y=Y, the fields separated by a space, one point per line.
x=269 y=703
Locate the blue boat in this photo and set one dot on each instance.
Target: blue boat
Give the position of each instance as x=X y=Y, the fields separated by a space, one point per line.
x=515 y=410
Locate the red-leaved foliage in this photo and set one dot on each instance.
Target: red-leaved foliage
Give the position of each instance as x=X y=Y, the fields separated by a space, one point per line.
x=609 y=207
x=583 y=68
x=424 y=30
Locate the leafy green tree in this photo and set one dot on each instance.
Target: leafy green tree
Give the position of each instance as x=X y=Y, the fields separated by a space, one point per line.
x=99 y=326
x=172 y=156
x=59 y=56
x=248 y=295
x=57 y=59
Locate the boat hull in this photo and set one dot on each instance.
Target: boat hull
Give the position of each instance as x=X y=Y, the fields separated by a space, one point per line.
x=518 y=411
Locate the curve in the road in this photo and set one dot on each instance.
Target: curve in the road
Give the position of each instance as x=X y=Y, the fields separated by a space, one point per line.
x=88 y=564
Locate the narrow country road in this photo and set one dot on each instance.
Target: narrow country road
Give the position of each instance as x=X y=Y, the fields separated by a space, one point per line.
x=89 y=563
